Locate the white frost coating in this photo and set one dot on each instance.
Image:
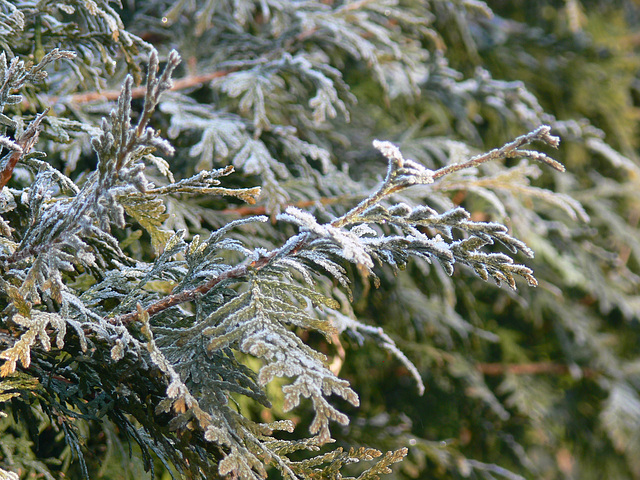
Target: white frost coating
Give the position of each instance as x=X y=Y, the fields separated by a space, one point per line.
x=363 y=230
x=412 y=170
x=349 y=242
x=5 y=475
x=390 y=151
x=10 y=144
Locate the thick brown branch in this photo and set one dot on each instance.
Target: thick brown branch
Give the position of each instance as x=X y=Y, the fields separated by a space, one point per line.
x=494 y=369
x=233 y=273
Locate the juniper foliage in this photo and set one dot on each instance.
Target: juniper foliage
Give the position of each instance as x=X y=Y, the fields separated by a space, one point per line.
x=153 y=322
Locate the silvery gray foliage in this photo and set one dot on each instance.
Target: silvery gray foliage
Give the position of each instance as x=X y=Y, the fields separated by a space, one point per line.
x=247 y=306
x=208 y=322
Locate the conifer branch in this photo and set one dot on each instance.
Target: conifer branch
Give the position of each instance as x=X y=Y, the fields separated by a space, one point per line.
x=186 y=295
x=401 y=174
x=234 y=273
x=510 y=150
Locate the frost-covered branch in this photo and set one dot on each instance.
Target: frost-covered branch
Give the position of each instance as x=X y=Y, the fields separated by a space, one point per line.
x=511 y=150
x=401 y=174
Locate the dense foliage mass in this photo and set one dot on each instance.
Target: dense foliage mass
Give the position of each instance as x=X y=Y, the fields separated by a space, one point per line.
x=277 y=238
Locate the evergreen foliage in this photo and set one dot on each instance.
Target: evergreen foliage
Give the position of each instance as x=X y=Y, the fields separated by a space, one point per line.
x=206 y=271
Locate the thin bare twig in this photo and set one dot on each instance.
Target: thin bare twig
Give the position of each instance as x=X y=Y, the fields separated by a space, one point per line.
x=139 y=92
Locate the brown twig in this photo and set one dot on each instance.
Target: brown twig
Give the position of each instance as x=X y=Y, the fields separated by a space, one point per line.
x=26 y=141
x=139 y=92
x=190 y=295
x=495 y=369
x=184 y=296
x=5 y=175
